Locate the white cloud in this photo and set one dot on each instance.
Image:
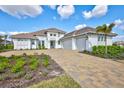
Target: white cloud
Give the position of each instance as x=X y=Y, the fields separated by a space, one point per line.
x=97 y=11
x=119 y=38
x=16 y=32
x=65 y=11
x=2 y=33
x=80 y=26
x=121 y=27
x=22 y=11
x=52 y=6
x=118 y=22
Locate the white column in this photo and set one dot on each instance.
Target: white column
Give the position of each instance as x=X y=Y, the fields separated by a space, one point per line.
x=74 y=44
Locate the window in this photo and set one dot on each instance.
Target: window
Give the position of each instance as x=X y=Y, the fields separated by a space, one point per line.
x=101 y=38
x=32 y=42
x=104 y=38
x=54 y=34
x=59 y=34
x=43 y=43
x=98 y=37
x=58 y=42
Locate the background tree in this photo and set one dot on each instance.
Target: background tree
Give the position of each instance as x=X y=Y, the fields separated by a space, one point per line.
x=5 y=39
x=1 y=40
x=106 y=30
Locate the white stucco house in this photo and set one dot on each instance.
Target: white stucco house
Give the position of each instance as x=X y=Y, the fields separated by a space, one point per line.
x=49 y=38
x=83 y=39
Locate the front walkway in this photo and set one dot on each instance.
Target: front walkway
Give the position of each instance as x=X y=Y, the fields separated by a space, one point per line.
x=88 y=71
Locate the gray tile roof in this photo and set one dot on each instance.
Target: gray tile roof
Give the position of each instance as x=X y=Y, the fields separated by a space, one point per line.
x=86 y=30
x=38 y=33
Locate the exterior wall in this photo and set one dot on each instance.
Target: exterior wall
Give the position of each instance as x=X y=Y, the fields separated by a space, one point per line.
x=109 y=40
x=80 y=43
x=93 y=41
x=27 y=43
x=54 y=38
x=22 y=44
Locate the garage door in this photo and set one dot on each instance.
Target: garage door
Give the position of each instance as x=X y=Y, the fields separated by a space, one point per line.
x=67 y=44
x=80 y=43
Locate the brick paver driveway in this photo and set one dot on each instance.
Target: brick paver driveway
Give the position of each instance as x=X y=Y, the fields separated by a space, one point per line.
x=88 y=71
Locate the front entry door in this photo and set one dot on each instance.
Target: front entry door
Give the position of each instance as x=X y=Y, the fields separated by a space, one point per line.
x=52 y=44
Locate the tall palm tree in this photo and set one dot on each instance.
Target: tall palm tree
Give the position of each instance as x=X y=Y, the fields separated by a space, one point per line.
x=1 y=38
x=106 y=30
x=5 y=38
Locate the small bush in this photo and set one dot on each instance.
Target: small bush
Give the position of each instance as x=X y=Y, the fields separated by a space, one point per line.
x=19 y=74
x=24 y=54
x=34 y=64
x=4 y=64
x=45 y=73
x=2 y=78
x=46 y=61
x=5 y=48
x=28 y=76
x=43 y=47
x=18 y=66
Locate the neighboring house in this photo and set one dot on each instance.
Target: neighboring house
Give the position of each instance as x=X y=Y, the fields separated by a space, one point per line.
x=119 y=43
x=49 y=38
x=85 y=39
x=7 y=42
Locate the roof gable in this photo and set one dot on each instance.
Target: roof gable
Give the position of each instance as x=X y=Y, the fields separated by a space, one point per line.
x=85 y=30
x=38 y=33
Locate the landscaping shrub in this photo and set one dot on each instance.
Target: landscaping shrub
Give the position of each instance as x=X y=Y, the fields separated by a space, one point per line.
x=18 y=66
x=4 y=77
x=19 y=74
x=28 y=76
x=112 y=52
x=46 y=61
x=5 y=48
x=9 y=46
x=4 y=63
x=42 y=47
x=34 y=64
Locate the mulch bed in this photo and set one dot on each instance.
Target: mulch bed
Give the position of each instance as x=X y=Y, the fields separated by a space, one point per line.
x=31 y=77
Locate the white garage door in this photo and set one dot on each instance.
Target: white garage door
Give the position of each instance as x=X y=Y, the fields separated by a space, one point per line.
x=67 y=44
x=80 y=43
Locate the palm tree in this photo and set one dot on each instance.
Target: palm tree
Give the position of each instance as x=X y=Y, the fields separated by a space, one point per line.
x=1 y=40
x=5 y=37
x=106 y=30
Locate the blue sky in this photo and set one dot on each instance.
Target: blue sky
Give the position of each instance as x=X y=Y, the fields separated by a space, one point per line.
x=17 y=19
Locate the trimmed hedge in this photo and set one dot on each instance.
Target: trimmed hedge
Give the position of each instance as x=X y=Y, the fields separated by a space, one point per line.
x=9 y=46
x=5 y=48
x=112 y=51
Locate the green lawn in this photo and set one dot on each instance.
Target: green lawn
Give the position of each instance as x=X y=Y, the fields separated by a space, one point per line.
x=63 y=81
